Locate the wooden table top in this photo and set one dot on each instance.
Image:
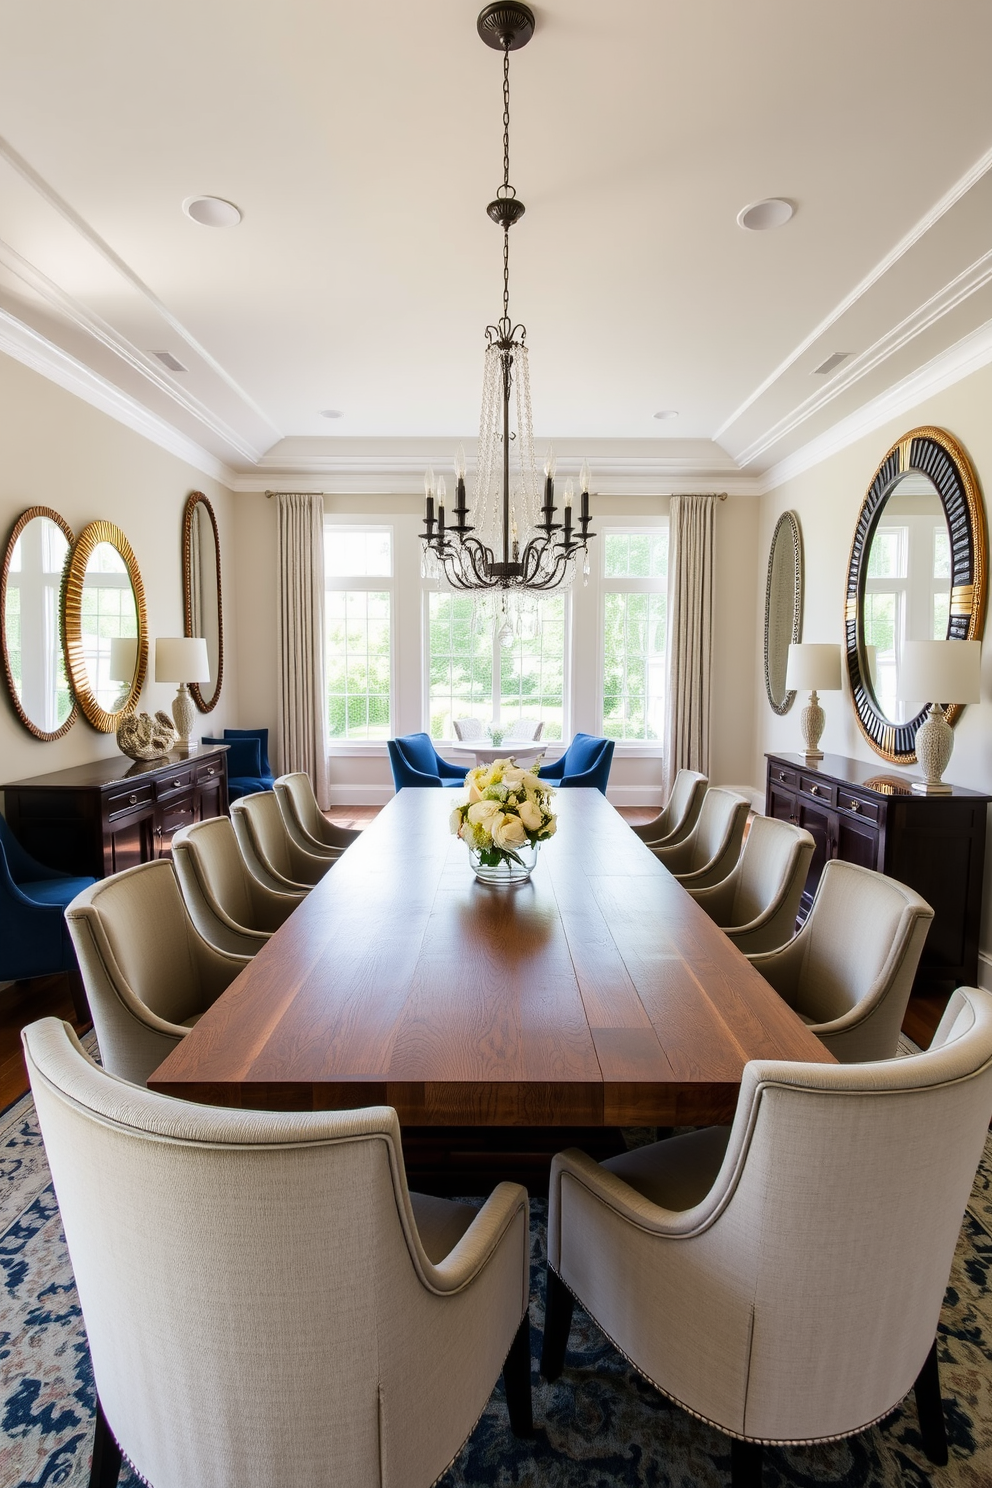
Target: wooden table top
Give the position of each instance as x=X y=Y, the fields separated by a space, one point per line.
x=598 y=993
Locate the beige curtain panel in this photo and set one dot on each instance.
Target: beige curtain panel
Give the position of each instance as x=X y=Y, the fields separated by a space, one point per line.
x=300 y=673
x=690 y=636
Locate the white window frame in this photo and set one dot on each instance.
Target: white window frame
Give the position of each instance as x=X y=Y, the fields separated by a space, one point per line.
x=378 y=583
x=625 y=584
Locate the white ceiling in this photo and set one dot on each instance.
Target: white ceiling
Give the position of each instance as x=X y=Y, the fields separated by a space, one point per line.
x=362 y=142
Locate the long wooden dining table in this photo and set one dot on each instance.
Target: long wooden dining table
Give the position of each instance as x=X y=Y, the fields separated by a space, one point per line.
x=596 y=994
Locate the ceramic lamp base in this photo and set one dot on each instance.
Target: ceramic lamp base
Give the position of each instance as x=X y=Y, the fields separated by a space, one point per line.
x=811 y=722
x=183 y=713
x=934 y=746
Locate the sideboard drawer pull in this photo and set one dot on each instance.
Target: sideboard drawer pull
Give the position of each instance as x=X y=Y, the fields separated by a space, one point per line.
x=814 y=790
x=211 y=771
x=177 y=783
x=133 y=800
x=855 y=805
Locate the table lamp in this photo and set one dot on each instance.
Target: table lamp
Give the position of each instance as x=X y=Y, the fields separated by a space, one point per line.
x=182 y=659
x=932 y=669
x=123 y=665
x=814 y=668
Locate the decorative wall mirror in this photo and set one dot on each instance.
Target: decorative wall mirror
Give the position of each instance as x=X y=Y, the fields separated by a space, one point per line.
x=31 y=622
x=783 y=608
x=104 y=601
x=918 y=571
x=202 y=596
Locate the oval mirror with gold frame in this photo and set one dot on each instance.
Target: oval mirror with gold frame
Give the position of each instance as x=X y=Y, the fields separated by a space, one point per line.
x=918 y=571
x=783 y=608
x=31 y=622
x=202 y=595
x=103 y=601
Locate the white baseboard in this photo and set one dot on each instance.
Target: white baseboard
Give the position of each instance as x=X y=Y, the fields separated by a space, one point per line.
x=361 y=795
x=635 y=795
x=985 y=971
x=753 y=793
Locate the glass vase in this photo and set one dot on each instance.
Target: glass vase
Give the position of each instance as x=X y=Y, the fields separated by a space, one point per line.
x=507 y=870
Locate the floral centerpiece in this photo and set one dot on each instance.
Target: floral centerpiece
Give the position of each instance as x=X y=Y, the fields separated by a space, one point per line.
x=504 y=820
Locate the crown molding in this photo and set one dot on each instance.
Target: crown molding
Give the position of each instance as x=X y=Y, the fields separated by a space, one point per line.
x=966 y=356
x=32 y=350
x=952 y=294
x=960 y=188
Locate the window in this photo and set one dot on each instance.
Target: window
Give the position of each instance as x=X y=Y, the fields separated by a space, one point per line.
x=472 y=675
x=907 y=594
x=635 y=615
x=358 y=631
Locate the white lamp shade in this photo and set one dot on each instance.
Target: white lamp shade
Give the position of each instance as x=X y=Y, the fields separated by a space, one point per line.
x=182 y=659
x=940 y=672
x=123 y=658
x=813 y=668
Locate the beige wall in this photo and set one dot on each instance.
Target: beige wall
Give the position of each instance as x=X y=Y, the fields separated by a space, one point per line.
x=60 y=452
x=827 y=500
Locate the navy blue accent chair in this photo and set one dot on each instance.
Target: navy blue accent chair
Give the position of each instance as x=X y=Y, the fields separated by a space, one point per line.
x=34 y=937
x=585 y=763
x=415 y=761
x=247 y=761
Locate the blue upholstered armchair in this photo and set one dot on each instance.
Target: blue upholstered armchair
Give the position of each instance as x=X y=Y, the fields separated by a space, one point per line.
x=34 y=938
x=586 y=762
x=415 y=761
x=248 y=767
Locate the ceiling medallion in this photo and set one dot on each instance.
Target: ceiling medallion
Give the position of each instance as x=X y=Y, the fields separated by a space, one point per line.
x=514 y=546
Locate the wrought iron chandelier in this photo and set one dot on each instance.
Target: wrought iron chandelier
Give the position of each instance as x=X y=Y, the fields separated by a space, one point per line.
x=487 y=556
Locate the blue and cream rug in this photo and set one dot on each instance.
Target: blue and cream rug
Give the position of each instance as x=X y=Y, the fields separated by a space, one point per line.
x=599 y=1426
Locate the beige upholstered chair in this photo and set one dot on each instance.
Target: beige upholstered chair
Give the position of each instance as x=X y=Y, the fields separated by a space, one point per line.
x=148 y=973
x=305 y=822
x=850 y=970
x=757 y=903
x=713 y=846
x=270 y=853
x=230 y=908
x=679 y=815
x=468 y=728
x=524 y=731
x=782 y=1278
x=265 y=1301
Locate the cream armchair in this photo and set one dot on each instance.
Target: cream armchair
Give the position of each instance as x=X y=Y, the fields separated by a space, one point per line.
x=270 y=853
x=305 y=822
x=757 y=903
x=849 y=971
x=230 y=908
x=148 y=973
x=782 y=1278
x=713 y=846
x=680 y=813
x=265 y=1301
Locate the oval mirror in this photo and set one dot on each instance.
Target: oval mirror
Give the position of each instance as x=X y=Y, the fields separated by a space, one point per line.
x=918 y=572
x=202 y=594
x=31 y=622
x=783 y=608
x=106 y=626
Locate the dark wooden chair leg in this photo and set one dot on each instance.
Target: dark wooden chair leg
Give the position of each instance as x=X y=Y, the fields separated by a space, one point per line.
x=558 y=1306
x=930 y=1409
x=745 y=1464
x=106 y=1453
x=516 y=1381
x=77 y=992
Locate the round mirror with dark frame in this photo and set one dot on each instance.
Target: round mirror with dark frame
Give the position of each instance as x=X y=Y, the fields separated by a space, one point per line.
x=202 y=596
x=918 y=571
x=783 y=608
x=103 y=601
x=31 y=622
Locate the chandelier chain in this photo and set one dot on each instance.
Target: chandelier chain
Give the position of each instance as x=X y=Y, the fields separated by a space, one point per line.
x=506 y=179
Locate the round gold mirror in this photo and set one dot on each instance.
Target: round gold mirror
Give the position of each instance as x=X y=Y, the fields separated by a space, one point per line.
x=104 y=609
x=204 y=614
x=918 y=572
x=30 y=622
x=783 y=608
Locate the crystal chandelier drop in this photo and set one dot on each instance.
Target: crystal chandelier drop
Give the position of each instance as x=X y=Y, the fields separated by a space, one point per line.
x=514 y=549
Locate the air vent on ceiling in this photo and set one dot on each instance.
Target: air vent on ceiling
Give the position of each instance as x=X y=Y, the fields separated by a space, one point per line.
x=168 y=360
x=831 y=363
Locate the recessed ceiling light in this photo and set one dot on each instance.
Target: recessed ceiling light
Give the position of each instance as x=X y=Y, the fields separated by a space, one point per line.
x=667 y=413
x=331 y=413
x=763 y=215
x=212 y=211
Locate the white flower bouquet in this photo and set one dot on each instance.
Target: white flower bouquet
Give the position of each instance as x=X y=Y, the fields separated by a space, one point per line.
x=505 y=818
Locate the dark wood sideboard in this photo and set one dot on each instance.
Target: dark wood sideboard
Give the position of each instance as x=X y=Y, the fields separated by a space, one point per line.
x=100 y=818
x=866 y=814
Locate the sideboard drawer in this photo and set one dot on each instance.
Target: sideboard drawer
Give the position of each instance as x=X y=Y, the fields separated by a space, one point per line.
x=208 y=770
x=823 y=790
x=781 y=775
x=175 y=780
x=858 y=805
x=122 y=802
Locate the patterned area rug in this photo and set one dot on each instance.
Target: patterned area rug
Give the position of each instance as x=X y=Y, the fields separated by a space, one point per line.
x=599 y=1426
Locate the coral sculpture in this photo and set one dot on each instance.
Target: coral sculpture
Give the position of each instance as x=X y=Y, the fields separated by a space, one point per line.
x=142 y=737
